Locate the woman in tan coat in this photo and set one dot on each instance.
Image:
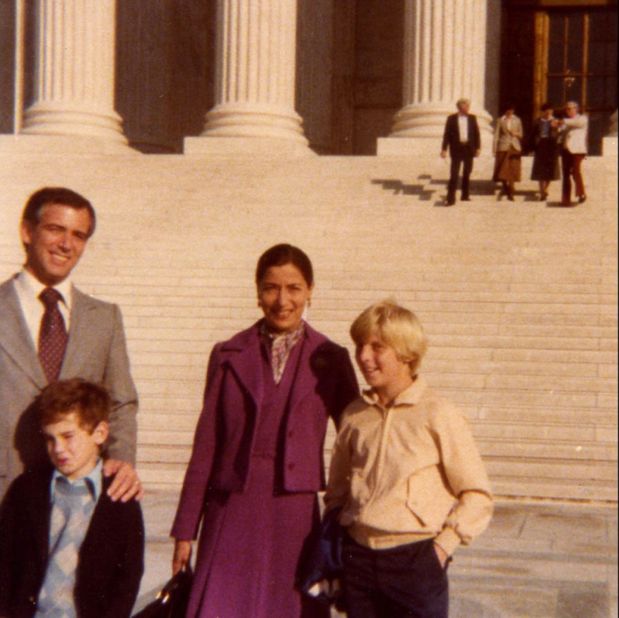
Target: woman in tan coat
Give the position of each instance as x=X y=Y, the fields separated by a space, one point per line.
x=507 y=151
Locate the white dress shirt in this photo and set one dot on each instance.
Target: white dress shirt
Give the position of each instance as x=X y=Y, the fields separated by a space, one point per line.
x=28 y=288
x=463 y=127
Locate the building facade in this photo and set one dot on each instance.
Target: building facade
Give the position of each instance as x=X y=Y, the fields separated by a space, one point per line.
x=338 y=76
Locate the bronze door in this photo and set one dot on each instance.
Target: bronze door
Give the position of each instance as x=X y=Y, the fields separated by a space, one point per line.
x=576 y=60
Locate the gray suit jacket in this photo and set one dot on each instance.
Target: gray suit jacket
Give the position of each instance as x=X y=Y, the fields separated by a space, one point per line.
x=96 y=351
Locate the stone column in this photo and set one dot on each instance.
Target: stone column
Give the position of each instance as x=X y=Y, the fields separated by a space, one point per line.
x=255 y=83
x=74 y=73
x=444 y=60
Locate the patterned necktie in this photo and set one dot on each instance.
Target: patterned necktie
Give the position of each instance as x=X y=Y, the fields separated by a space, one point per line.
x=52 y=335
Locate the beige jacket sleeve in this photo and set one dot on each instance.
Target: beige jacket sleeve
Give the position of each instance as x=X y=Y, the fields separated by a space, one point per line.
x=466 y=474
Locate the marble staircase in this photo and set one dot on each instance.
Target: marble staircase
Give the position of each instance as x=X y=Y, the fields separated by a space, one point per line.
x=519 y=299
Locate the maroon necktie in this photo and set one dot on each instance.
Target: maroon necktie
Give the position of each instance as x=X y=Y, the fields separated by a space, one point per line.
x=52 y=336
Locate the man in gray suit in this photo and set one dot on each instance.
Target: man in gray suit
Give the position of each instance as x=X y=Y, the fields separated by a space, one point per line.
x=74 y=336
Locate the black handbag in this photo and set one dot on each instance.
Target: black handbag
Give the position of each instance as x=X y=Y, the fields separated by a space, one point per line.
x=171 y=601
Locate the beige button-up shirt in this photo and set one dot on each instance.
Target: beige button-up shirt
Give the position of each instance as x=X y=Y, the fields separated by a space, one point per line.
x=408 y=472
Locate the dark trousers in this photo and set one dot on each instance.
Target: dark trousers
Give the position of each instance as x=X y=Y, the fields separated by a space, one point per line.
x=570 y=166
x=392 y=583
x=462 y=155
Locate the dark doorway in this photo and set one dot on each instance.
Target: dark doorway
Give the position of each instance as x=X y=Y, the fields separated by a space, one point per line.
x=556 y=52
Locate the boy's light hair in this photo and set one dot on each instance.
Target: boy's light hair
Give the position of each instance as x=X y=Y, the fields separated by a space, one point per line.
x=395 y=326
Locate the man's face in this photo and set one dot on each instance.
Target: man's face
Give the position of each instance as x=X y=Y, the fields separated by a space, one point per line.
x=463 y=108
x=55 y=244
x=571 y=110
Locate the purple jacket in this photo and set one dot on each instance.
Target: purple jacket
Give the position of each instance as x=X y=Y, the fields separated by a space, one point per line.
x=324 y=385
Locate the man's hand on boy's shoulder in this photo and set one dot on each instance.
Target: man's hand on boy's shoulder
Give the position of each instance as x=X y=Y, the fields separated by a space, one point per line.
x=126 y=484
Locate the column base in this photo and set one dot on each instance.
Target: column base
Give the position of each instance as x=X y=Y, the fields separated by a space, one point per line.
x=62 y=118
x=61 y=144
x=251 y=120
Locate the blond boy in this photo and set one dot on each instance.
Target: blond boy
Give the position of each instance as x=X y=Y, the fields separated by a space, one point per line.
x=406 y=475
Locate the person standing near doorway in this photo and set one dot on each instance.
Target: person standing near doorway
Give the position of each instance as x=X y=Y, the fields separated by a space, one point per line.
x=507 y=151
x=573 y=139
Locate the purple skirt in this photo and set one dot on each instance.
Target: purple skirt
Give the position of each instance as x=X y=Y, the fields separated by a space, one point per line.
x=249 y=551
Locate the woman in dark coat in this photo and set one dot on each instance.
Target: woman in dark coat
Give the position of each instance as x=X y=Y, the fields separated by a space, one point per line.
x=256 y=464
x=546 y=154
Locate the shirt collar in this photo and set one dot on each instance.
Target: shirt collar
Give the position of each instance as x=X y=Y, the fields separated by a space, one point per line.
x=93 y=480
x=408 y=397
x=33 y=287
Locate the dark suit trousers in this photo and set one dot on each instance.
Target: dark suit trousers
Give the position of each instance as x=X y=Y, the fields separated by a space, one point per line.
x=570 y=166
x=462 y=155
x=393 y=583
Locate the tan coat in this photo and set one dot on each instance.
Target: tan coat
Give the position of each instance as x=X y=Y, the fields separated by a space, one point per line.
x=504 y=138
x=96 y=351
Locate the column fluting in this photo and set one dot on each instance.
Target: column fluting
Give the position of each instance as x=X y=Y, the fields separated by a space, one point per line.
x=74 y=70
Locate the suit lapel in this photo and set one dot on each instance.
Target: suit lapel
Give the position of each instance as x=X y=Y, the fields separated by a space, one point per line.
x=15 y=337
x=305 y=379
x=244 y=357
x=80 y=308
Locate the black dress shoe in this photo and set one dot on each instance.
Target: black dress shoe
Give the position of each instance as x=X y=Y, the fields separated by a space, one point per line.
x=465 y=199
x=582 y=199
x=510 y=198
x=449 y=203
x=543 y=197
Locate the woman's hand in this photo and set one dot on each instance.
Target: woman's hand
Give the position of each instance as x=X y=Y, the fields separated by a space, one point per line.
x=441 y=554
x=182 y=555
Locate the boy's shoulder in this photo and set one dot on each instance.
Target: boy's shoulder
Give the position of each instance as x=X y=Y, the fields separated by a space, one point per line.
x=31 y=480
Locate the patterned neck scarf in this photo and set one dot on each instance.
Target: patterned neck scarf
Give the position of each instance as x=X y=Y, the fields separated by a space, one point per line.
x=281 y=346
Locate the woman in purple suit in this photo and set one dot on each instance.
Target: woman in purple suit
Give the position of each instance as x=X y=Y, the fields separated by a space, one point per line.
x=250 y=487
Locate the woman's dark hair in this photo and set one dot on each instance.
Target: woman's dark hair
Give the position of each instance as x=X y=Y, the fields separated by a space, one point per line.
x=546 y=106
x=282 y=254
x=509 y=105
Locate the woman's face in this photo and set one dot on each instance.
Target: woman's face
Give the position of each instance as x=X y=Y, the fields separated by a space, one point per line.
x=283 y=295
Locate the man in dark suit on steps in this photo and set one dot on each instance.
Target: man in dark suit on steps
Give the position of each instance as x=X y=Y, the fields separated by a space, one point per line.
x=461 y=137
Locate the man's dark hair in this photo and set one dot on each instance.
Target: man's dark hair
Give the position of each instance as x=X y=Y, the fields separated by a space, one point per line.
x=282 y=254
x=89 y=401
x=56 y=195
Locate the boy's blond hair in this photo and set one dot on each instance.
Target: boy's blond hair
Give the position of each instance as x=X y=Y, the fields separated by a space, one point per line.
x=395 y=326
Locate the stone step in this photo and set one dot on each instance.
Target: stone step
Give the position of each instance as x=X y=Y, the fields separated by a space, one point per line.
x=519 y=300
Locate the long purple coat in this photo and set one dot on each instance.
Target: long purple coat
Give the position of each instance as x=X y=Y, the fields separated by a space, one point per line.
x=225 y=435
